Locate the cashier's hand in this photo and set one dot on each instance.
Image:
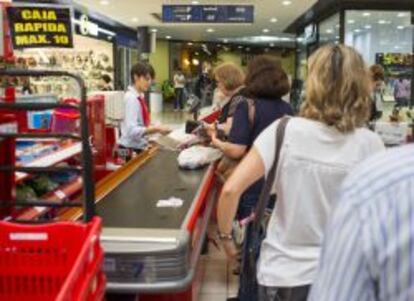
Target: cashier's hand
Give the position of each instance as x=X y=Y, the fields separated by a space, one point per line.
x=162 y=129
x=230 y=249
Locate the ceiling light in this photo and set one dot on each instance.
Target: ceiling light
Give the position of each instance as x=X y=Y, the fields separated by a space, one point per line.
x=402 y=15
x=329 y=30
x=368 y=26
x=154 y=30
x=210 y=30
x=357 y=30
x=196 y=62
x=366 y=14
x=195 y=2
x=351 y=21
x=273 y=20
x=337 y=37
x=265 y=30
x=287 y=2
x=272 y=44
x=240 y=47
x=104 y=2
x=135 y=20
x=190 y=44
x=225 y=41
x=168 y=37
x=400 y=27
x=382 y=22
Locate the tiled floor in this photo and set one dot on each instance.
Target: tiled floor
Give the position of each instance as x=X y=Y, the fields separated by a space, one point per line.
x=219 y=283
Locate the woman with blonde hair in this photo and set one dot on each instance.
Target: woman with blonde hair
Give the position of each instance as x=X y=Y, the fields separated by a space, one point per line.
x=319 y=149
x=230 y=82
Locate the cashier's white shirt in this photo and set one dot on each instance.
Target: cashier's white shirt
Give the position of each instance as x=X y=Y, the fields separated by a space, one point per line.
x=314 y=160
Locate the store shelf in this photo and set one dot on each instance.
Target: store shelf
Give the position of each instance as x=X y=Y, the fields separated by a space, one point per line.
x=65 y=191
x=60 y=155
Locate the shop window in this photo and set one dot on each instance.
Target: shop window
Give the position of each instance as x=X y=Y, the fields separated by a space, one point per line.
x=329 y=30
x=386 y=38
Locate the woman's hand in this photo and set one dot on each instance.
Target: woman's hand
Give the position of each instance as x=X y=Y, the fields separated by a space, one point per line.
x=210 y=129
x=230 y=249
x=216 y=141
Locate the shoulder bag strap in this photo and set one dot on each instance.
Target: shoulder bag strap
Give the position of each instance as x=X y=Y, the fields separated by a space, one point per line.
x=267 y=187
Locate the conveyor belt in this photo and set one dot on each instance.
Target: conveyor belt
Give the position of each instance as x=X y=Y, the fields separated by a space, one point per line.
x=133 y=203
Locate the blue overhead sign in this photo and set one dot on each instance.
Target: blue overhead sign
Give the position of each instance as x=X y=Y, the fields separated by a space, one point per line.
x=208 y=13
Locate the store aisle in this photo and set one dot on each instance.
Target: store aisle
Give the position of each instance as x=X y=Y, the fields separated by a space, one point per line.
x=219 y=283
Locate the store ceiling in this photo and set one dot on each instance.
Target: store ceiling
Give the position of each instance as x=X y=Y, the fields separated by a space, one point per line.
x=135 y=13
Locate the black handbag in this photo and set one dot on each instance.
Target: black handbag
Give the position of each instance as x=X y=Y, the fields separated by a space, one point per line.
x=253 y=240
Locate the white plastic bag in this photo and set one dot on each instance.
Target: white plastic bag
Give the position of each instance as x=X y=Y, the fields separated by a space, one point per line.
x=198 y=156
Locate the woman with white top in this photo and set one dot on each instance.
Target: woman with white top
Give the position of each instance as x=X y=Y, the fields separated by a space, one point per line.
x=136 y=124
x=319 y=150
x=179 y=85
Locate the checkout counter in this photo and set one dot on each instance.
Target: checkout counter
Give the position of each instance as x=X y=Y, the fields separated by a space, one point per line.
x=153 y=252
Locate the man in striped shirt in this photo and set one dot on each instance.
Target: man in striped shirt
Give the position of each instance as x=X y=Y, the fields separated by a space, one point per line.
x=368 y=252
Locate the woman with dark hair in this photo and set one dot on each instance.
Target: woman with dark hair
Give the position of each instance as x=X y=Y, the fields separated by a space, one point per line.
x=266 y=82
x=377 y=85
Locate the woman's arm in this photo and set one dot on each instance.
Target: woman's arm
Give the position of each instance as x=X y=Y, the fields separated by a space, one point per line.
x=232 y=150
x=226 y=127
x=247 y=172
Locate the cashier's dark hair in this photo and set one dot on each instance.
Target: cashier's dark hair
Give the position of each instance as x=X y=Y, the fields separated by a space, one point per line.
x=266 y=78
x=142 y=69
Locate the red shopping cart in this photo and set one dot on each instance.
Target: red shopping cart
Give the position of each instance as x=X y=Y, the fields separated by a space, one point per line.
x=54 y=260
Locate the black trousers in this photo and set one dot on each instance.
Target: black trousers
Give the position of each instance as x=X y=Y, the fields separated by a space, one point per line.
x=179 y=98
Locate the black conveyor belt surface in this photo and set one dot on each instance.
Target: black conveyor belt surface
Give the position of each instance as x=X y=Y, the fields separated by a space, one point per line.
x=133 y=203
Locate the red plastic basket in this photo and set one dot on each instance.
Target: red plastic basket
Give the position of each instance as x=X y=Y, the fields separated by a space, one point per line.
x=60 y=261
x=65 y=120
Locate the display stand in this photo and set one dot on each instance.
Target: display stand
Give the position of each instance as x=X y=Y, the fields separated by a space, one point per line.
x=86 y=169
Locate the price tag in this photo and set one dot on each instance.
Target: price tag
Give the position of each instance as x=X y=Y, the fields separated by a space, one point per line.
x=60 y=194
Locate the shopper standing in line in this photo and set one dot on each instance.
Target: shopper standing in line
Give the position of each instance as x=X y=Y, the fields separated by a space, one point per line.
x=401 y=92
x=377 y=84
x=319 y=150
x=266 y=82
x=230 y=82
x=368 y=249
x=137 y=121
x=179 y=85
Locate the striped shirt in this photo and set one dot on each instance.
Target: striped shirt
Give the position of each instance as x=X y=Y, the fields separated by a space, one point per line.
x=368 y=252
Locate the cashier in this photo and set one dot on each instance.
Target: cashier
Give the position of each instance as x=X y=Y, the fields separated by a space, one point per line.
x=136 y=125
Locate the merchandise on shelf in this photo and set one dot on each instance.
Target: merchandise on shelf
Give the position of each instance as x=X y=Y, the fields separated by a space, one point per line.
x=90 y=59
